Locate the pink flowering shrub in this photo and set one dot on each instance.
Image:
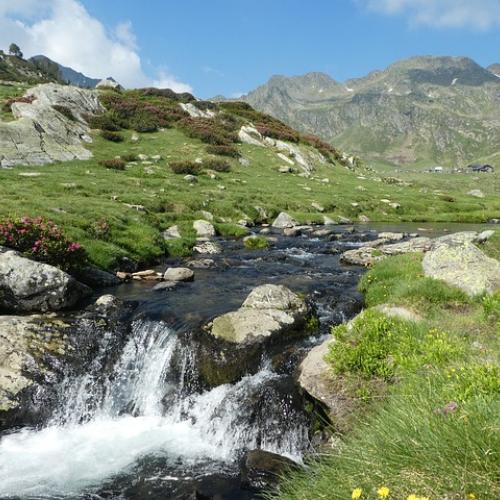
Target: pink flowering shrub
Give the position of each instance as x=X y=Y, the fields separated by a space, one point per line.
x=42 y=240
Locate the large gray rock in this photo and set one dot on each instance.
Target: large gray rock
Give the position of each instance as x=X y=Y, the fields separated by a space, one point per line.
x=463 y=266
x=455 y=239
x=268 y=310
x=232 y=345
x=284 y=221
x=40 y=134
x=204 y=229
x=26 y=285
x=178 y=274
x=369 y=255
x=109 y=83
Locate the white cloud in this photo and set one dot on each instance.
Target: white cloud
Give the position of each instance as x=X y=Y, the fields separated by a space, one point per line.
x=475 y=14
x=64 y=31
x=167 y=81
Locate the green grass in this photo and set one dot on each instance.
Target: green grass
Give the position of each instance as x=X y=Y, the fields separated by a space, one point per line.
x=256 y=243
x=75 y=194
x=427 y=395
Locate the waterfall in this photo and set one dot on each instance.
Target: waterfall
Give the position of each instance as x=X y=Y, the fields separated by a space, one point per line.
x=107 y=422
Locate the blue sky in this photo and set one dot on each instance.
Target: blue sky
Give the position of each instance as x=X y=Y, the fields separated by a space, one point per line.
x=231 y=46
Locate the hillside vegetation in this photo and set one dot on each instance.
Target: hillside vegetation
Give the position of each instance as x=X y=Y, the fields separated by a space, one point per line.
x=137 y=197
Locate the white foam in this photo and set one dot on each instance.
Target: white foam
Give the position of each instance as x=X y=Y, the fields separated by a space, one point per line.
x=64 y=460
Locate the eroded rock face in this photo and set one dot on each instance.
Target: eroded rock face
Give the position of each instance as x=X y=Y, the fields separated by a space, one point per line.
x=232 y=345
x=38 y=351
x=28 y=286
x=463 y=266
x=268 y=310
x=41 y=134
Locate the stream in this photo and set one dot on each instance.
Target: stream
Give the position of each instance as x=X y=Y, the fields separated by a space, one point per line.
x=146 y=429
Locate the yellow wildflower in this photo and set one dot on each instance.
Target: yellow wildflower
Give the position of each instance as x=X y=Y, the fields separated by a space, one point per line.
x=472 y=496
x=412 y=497
x=383 y=492
x=356 y=493
x=423 y=498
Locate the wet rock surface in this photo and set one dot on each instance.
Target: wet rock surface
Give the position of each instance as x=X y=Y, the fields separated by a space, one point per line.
x=38 y=351
x=28 y=286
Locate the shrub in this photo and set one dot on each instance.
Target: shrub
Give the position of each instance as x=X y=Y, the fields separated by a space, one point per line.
x=218 y=165
x=210 y=130
x=327 y=150
x=169 y=94
x=65 y=111
x=114 y=163
x=144 y=122
x=129 y=157
x=222 y=150
x=43 y=241
x=106 y=121
x=278 y=131
x=256 y=243
x=133 y=109
x=101 y=229
x=112 y=136
x=185 y=167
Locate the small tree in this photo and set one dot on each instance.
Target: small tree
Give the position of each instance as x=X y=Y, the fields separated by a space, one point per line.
x=14 y=50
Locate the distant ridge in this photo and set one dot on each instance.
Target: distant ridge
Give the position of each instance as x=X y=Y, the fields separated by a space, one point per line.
x=423 y=109
x=64 y=73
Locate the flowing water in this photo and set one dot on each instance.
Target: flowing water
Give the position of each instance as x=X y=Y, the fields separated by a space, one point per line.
x=144 y=429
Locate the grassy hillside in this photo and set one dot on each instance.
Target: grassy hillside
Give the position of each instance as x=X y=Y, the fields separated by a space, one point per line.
x=427 y=393
x=136 y=204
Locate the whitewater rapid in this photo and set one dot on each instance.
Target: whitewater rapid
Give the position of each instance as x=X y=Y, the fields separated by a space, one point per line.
x=84 y=445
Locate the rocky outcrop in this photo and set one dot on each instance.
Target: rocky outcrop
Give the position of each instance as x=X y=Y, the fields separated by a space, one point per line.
x=195 y=112
x=284 y=221
x=262 y=469
x=178 y=274
x=369 y=255
x=463 y=266
x=231 y=345
x=316 y=378
x=204 y=229
x=41 y=133
x=38 y=351
x=268 y=310
x=108 y=83
x=27 y=286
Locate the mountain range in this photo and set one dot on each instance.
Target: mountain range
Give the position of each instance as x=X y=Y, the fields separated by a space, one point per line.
x=419 y=110
x=64 y=73
x=41 y=69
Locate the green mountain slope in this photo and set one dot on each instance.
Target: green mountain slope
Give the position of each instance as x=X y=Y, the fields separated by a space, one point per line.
x=421 y=110
x=17 y=69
